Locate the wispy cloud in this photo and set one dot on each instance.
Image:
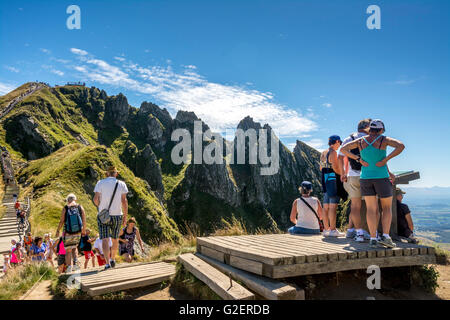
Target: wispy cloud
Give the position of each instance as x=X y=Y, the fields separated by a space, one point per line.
x=402 y=82
x=220 y=106
x=45 y=50
x=79 y=51
x=328 y=105
x=5 y=88
x=12 y=69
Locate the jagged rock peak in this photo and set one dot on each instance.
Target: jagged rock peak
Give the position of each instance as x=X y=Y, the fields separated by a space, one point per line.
x=151 y=108
x=118 y=108
x=248 y=123
x=186 y=116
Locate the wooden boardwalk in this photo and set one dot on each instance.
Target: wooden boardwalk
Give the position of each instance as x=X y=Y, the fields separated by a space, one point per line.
x=284 y=255
x=124 y=277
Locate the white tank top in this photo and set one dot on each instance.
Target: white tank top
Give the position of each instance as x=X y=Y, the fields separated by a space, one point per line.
x=305 y=217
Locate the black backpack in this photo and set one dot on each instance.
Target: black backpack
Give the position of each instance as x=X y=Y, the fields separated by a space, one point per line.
x=355 y=165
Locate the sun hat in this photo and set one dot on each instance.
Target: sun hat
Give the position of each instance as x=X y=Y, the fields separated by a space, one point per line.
x=377 y=124
x=307 y=185
x=333 y=139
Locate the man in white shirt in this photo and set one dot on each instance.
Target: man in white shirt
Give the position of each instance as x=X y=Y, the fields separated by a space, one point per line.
x=351 y=179
x=118 y=211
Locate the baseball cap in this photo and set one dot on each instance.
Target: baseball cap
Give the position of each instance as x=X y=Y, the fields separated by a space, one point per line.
x=399 y=191
x=307 y=185
x=376 y=124
x=332 y=139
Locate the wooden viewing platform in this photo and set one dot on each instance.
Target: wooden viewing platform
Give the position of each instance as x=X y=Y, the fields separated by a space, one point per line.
x=283 y=255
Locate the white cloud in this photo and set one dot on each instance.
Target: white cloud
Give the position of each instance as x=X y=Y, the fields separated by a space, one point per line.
x=6 y=88
x=78 y=51
x=328 y=105
x=220 y=106
x=45 y=50
x=120 y=59
x=318 y=144
x=57 y=72
x=12 y=69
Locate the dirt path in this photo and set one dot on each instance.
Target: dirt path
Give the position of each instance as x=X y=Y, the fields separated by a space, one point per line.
x=41 y=291
x=443 y=291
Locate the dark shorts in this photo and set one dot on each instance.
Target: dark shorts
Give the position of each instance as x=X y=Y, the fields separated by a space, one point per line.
x=122 y=251
x=112 y=229
x=330 y=200
x=61 y=259
x=373 y=187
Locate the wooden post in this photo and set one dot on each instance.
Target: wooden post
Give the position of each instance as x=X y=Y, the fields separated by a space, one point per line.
x=394 y=230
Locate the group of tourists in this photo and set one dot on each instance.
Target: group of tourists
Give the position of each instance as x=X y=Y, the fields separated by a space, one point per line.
x=356 y=168
x=117 y=234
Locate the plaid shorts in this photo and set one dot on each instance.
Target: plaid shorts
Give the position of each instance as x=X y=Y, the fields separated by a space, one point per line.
x=112 y=229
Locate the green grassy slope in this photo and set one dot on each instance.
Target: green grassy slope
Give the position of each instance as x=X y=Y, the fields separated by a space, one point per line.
x=76 y=169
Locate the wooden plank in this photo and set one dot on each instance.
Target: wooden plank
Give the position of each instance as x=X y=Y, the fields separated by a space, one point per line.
x=247 y=265
x=321 y=267
x=136 y=283
x=102 y=282
x=265 y=287
x=334 y=253
x=213 y=278
x=298 y=256
x=128 y=270
x=240 y=241
x=269 y=258
x=217 y=255
x=431 y=250
x=113 y=275
x=304 y=248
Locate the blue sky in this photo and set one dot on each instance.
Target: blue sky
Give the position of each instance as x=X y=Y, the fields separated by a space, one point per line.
x=308 y=68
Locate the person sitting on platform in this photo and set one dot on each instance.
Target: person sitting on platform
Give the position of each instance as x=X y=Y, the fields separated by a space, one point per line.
x=306 y=212
x=405 y=223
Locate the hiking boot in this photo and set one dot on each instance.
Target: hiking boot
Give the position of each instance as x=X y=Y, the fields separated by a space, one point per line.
x=373 y=243
x=387 y=242
x=366 y=235
x=350 y=234
x=107 y=267
x=335 y=233
x=359 y=238
x=112 y=263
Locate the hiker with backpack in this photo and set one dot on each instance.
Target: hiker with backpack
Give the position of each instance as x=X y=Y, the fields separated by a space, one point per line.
x=86 y=248
x=306 y=212
x=111 y=201
x=331 y=185
x=375 y=179
x=73 y=218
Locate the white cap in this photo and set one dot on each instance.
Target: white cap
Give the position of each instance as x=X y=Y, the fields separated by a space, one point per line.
x=376 y=124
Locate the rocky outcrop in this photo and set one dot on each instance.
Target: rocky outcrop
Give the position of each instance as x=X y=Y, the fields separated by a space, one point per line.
x=117 y=109
x=23 y=134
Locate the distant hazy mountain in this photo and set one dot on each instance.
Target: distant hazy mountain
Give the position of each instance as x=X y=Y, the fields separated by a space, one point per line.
x=428 y=195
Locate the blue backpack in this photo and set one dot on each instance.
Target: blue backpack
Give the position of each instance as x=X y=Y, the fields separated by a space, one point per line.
x=73 y=223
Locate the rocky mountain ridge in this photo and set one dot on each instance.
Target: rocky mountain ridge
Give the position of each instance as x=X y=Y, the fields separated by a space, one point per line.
x=140 y=138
